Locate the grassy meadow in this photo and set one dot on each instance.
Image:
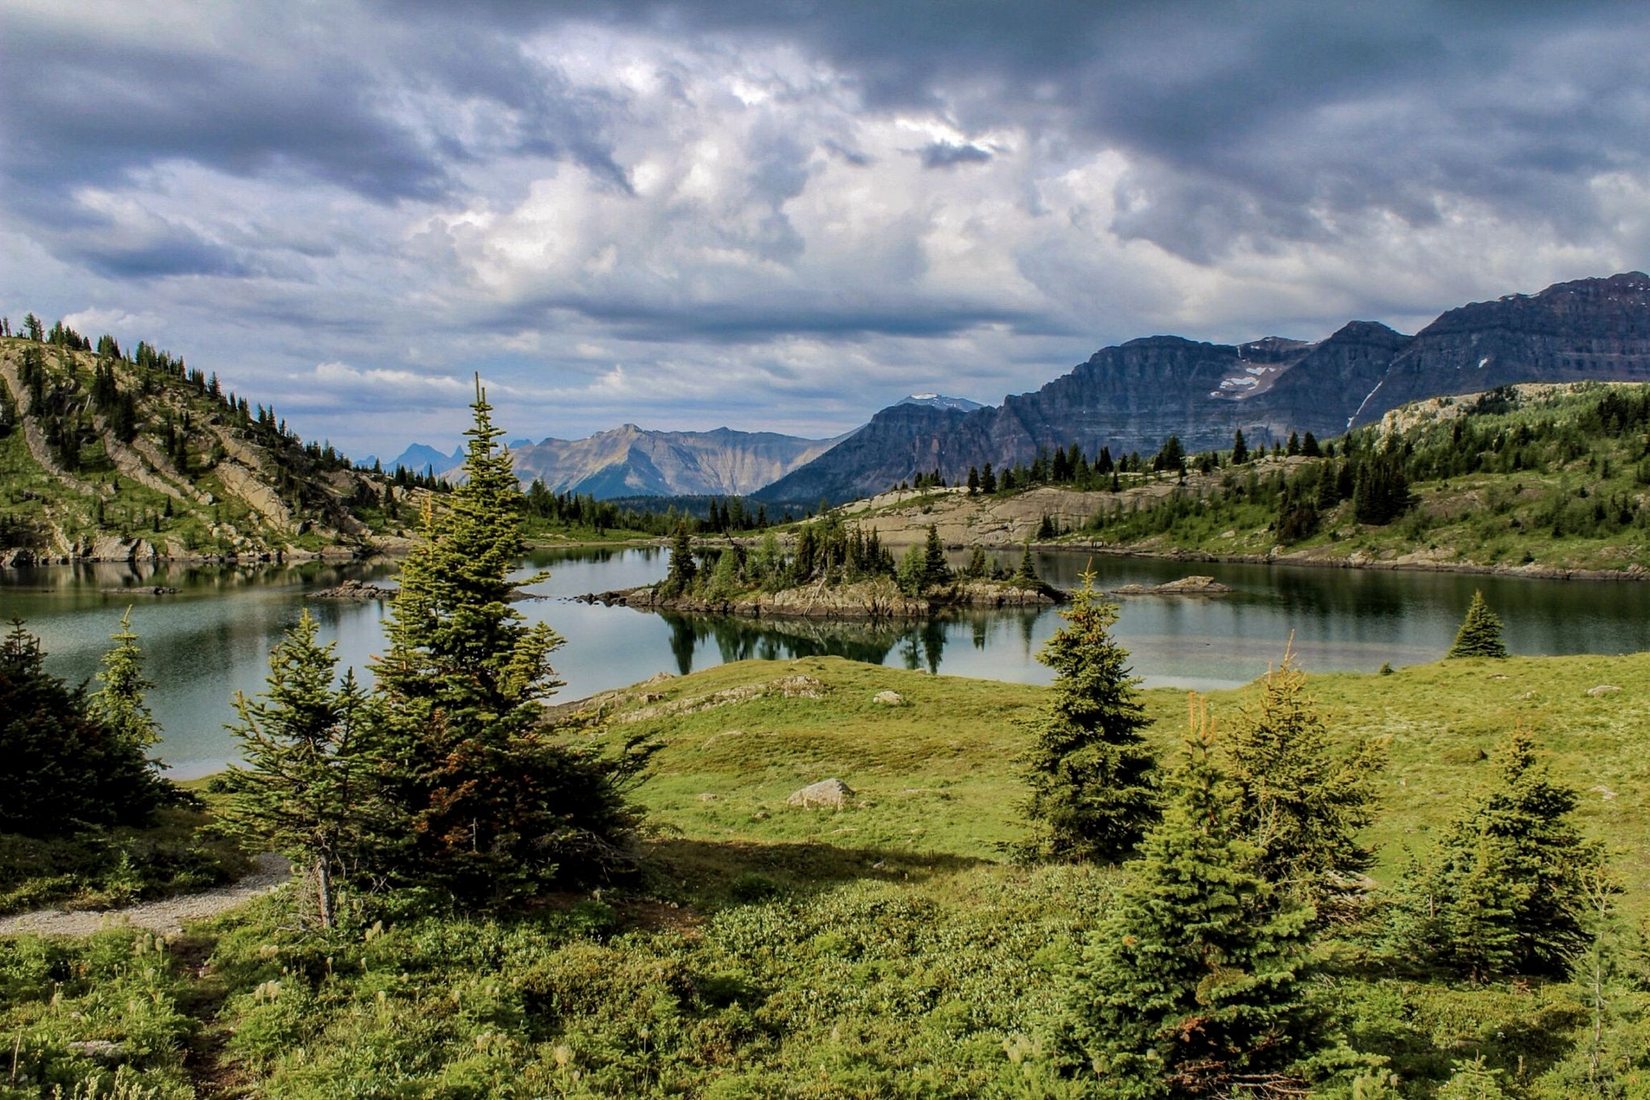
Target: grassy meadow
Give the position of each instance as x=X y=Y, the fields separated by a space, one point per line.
x=887 y=948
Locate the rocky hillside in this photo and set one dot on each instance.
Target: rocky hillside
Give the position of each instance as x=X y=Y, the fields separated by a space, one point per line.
x=1132 y=397
x=631 y=461
x=110 y=456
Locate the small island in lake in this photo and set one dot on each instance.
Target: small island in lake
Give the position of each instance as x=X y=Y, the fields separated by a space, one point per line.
x=832 y=571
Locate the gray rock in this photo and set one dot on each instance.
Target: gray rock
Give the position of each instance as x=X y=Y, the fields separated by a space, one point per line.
x=829 y=793
x=889 y=698
x=1602 y=689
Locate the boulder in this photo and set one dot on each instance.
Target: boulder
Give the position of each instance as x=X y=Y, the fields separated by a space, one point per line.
x=889 y=698
x=829 y=793
x=1603 y=689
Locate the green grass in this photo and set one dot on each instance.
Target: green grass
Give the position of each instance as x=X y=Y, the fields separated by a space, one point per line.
x=106 y=868
x=883 y=949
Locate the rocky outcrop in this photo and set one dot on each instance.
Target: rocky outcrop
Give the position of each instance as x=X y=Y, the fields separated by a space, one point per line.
x=1133 y=396
x=1185 y=586
x=878 y=599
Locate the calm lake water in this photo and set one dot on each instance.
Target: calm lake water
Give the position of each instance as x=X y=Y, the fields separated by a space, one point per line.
x=213 y=636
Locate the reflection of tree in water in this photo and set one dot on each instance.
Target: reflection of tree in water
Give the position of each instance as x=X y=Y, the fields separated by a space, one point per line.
x=982 y=630
x=742 y=639
x=923 y=645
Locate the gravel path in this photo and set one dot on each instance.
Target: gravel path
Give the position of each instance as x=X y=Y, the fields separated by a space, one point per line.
x=164 y=916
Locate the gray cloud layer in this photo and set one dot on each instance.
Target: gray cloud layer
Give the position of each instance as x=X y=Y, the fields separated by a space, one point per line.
x=782 y=215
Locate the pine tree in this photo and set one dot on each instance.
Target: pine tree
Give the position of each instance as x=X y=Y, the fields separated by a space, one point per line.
x=1480 y=633
x=1299 y=802
x=307 y=786
x=1093 y=780
x=119 y=700
x=1194 y=985
x=492 y=804
x=1508 y=890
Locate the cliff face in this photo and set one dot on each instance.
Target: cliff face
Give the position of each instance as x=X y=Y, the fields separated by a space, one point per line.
x=1588 y=330
x=631 y=461
x=1134 y=396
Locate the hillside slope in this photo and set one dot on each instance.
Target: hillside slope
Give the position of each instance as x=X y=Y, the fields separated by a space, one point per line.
x=1540 y=479
x=105 y=456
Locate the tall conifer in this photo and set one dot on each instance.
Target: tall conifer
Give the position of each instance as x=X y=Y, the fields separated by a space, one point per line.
x=1301 y=803
x=492 y=804
x=1194 y=985
x=307 y=786
x=1093 y=780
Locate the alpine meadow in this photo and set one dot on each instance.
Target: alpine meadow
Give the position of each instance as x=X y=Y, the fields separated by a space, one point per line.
x=706 y=622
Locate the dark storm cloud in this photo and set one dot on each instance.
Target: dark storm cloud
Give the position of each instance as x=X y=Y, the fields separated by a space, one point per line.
x=1241 y=115
x=733 y=322
x=945 y=154
x=435 y=186
x=280 y=96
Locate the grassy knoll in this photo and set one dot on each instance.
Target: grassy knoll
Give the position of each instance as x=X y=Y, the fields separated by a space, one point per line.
x=882 y=949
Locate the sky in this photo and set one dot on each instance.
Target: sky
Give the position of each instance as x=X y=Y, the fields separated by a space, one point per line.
x=782 y=215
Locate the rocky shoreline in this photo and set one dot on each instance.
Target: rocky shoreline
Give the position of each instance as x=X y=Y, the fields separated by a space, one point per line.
x=117 y=551
x=1534 y=570
x=879 y=599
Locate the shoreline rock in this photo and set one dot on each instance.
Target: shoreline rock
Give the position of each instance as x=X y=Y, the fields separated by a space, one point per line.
x=1185 y=586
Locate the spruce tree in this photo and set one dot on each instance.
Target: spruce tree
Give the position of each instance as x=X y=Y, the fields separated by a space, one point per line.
x=1301 y=803
x=935 y=570
x=679 y=578
x=119 y=700
x=1194 y=985
x=307 y=786
x=62 y=769
x=492 y=805
x=1093 y=780
x=1480 y=633
x=1508 y=889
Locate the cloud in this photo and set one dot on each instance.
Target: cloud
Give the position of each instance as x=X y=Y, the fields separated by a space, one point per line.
x=944 y=154
x=786 y=215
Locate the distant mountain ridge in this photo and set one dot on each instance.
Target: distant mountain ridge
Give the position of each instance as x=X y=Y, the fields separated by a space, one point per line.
x=631 y=461
x=1133 y=396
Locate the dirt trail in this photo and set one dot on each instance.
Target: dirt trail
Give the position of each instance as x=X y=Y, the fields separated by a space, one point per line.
x=165 y=916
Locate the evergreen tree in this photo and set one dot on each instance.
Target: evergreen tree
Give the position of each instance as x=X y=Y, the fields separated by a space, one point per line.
x=1026 y=575
x=1093 y=780
x=62 y=770
x=679 y=578
x=307 y=786
x=935 y=571
x=1300 y=803
x=1480 y=633
x=491 y=804
x=119 y=700
x=1194 y=985
x=1508 y=890
x=1240 y=449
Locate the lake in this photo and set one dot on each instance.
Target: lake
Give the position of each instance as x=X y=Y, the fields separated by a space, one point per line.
x=213 y=636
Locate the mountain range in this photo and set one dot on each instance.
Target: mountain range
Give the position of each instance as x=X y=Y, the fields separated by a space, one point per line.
x=1135 y=395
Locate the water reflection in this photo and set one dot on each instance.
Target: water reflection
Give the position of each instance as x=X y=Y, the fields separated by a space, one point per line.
x=212 y=637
